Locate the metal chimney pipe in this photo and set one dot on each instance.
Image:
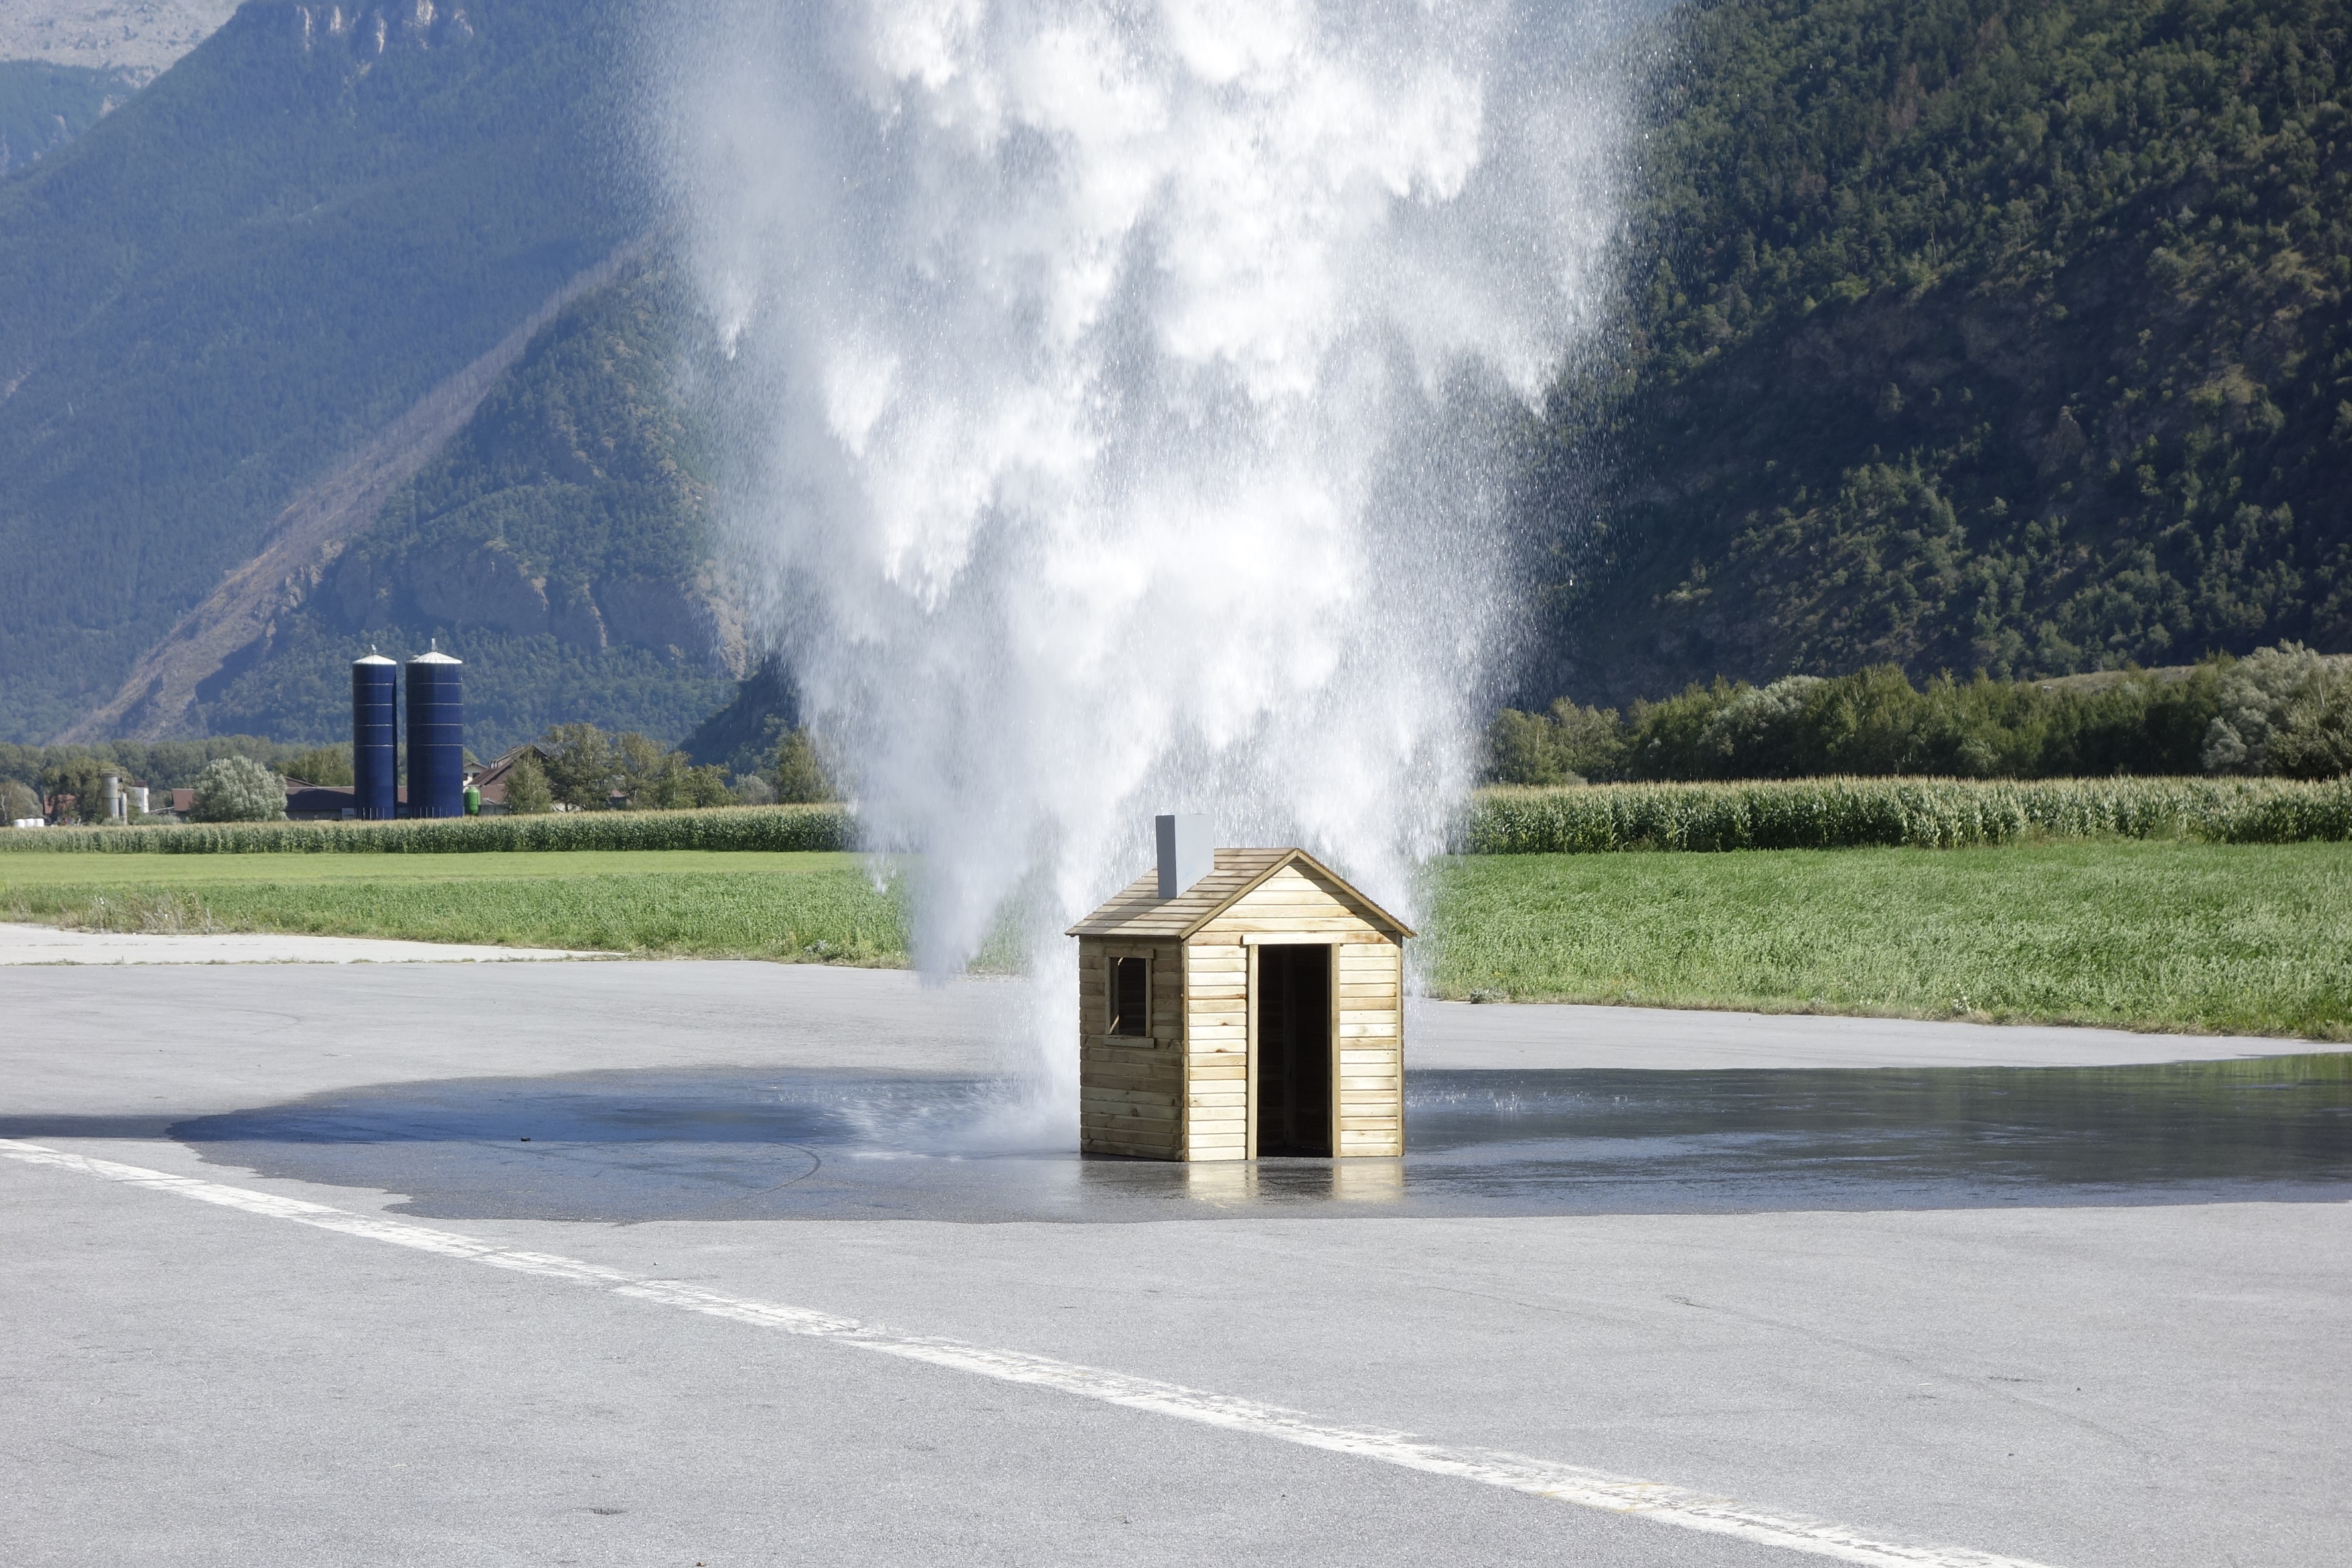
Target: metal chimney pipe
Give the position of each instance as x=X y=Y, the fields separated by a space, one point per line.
x=1187 y=852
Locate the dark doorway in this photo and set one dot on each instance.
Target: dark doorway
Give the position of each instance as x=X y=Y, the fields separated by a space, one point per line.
x=1293 y=1050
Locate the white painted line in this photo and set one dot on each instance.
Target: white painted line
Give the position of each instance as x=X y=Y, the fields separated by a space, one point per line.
x=1494 y=1468
x=23 y=944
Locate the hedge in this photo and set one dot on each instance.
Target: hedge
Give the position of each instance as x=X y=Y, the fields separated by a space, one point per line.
x=772 y=828
x=1934 y=813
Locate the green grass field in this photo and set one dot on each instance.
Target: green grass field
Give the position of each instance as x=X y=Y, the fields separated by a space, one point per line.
x=2232 y=938
x=804 y=907
x=2252 y=938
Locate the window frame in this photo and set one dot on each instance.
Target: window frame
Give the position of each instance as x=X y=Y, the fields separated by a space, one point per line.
x=1113 y=1018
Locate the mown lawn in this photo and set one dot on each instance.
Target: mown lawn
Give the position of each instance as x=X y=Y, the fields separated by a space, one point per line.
x=2173 y=935
x=2232 y=938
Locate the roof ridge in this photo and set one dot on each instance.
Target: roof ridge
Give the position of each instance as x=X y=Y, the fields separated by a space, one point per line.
x=1236 y=872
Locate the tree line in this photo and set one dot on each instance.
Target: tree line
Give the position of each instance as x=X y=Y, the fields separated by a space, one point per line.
x=576 y=767
x=2284 y=712
x=580 y=767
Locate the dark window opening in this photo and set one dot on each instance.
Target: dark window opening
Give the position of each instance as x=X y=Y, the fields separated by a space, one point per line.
x=1131 y=994
x=1294 y=1043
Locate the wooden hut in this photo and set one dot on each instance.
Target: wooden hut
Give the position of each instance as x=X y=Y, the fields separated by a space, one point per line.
x=1253 y=1009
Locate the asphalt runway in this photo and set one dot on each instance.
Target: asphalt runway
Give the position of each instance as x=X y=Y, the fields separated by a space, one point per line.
x=286 y=1292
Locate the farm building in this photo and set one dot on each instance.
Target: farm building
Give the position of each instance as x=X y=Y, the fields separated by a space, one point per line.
x=1237 y=1004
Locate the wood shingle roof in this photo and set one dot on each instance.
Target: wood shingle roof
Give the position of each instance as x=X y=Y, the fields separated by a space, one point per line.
x=1139 y=913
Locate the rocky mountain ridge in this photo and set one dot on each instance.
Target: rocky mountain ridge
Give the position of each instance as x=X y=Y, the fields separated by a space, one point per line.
x=141 y=37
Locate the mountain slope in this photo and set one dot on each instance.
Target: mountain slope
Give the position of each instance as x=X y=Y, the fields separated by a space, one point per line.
x=1973 y=335
x=559 y=542
x=744 y=734
x=235 y=625
x=43 y=106
x=240 y=277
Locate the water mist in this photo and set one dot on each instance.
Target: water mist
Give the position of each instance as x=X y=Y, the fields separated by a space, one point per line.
x=1114 y=398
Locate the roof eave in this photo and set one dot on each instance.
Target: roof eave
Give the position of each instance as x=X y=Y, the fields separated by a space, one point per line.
x=1287 y=858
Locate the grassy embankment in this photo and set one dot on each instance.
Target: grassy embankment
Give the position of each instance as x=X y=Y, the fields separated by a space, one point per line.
x=2164 y=934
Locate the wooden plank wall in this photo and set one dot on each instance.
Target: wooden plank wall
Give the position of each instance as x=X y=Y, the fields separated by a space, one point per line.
x=1370 y=1042
x=1289 y=906
x=1216 y=1051
x=1367 y=1004
x=1131 y=1089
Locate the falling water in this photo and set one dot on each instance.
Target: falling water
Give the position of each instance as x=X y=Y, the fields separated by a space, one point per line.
x=1115 y=396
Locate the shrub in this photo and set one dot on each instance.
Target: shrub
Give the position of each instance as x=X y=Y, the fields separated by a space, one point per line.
x=2262 y=699
x=1771 y=725
x=237 y=789
x=2316 y=743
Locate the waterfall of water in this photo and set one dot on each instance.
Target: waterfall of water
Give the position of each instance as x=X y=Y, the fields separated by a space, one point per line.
x=1112 y=397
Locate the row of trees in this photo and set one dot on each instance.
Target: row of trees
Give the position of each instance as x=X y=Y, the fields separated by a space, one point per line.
x=576 y=766
x=164 y=764
x=31 y=775
x=584 y=768
x=228 y=789
x=2282 y=711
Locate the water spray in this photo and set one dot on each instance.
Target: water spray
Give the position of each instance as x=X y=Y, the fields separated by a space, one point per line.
x=1111 y=397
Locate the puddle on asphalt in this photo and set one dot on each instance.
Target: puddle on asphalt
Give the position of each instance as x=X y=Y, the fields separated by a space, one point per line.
x=729 y=1144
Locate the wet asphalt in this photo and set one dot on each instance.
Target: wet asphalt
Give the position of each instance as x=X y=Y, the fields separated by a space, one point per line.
x=2062 y=1294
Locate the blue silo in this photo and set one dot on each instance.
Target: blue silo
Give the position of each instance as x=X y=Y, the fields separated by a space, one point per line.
x=375 y=746
x=436 y=735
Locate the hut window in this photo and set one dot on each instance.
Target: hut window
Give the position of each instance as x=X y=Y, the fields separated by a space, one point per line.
x=1131 y=993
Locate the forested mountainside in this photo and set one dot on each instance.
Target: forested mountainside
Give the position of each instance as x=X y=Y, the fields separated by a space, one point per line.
x=1969 y=336
x=44 y=106
x=258 y=263
x=1962 y=335
x=560 y=544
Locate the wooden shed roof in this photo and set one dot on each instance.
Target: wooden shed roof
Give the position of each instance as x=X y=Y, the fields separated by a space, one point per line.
x=1139 y=911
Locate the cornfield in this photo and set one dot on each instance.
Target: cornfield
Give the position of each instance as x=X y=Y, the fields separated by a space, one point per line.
x=1794 y=813
x=1928 y=813
x=778 y=827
